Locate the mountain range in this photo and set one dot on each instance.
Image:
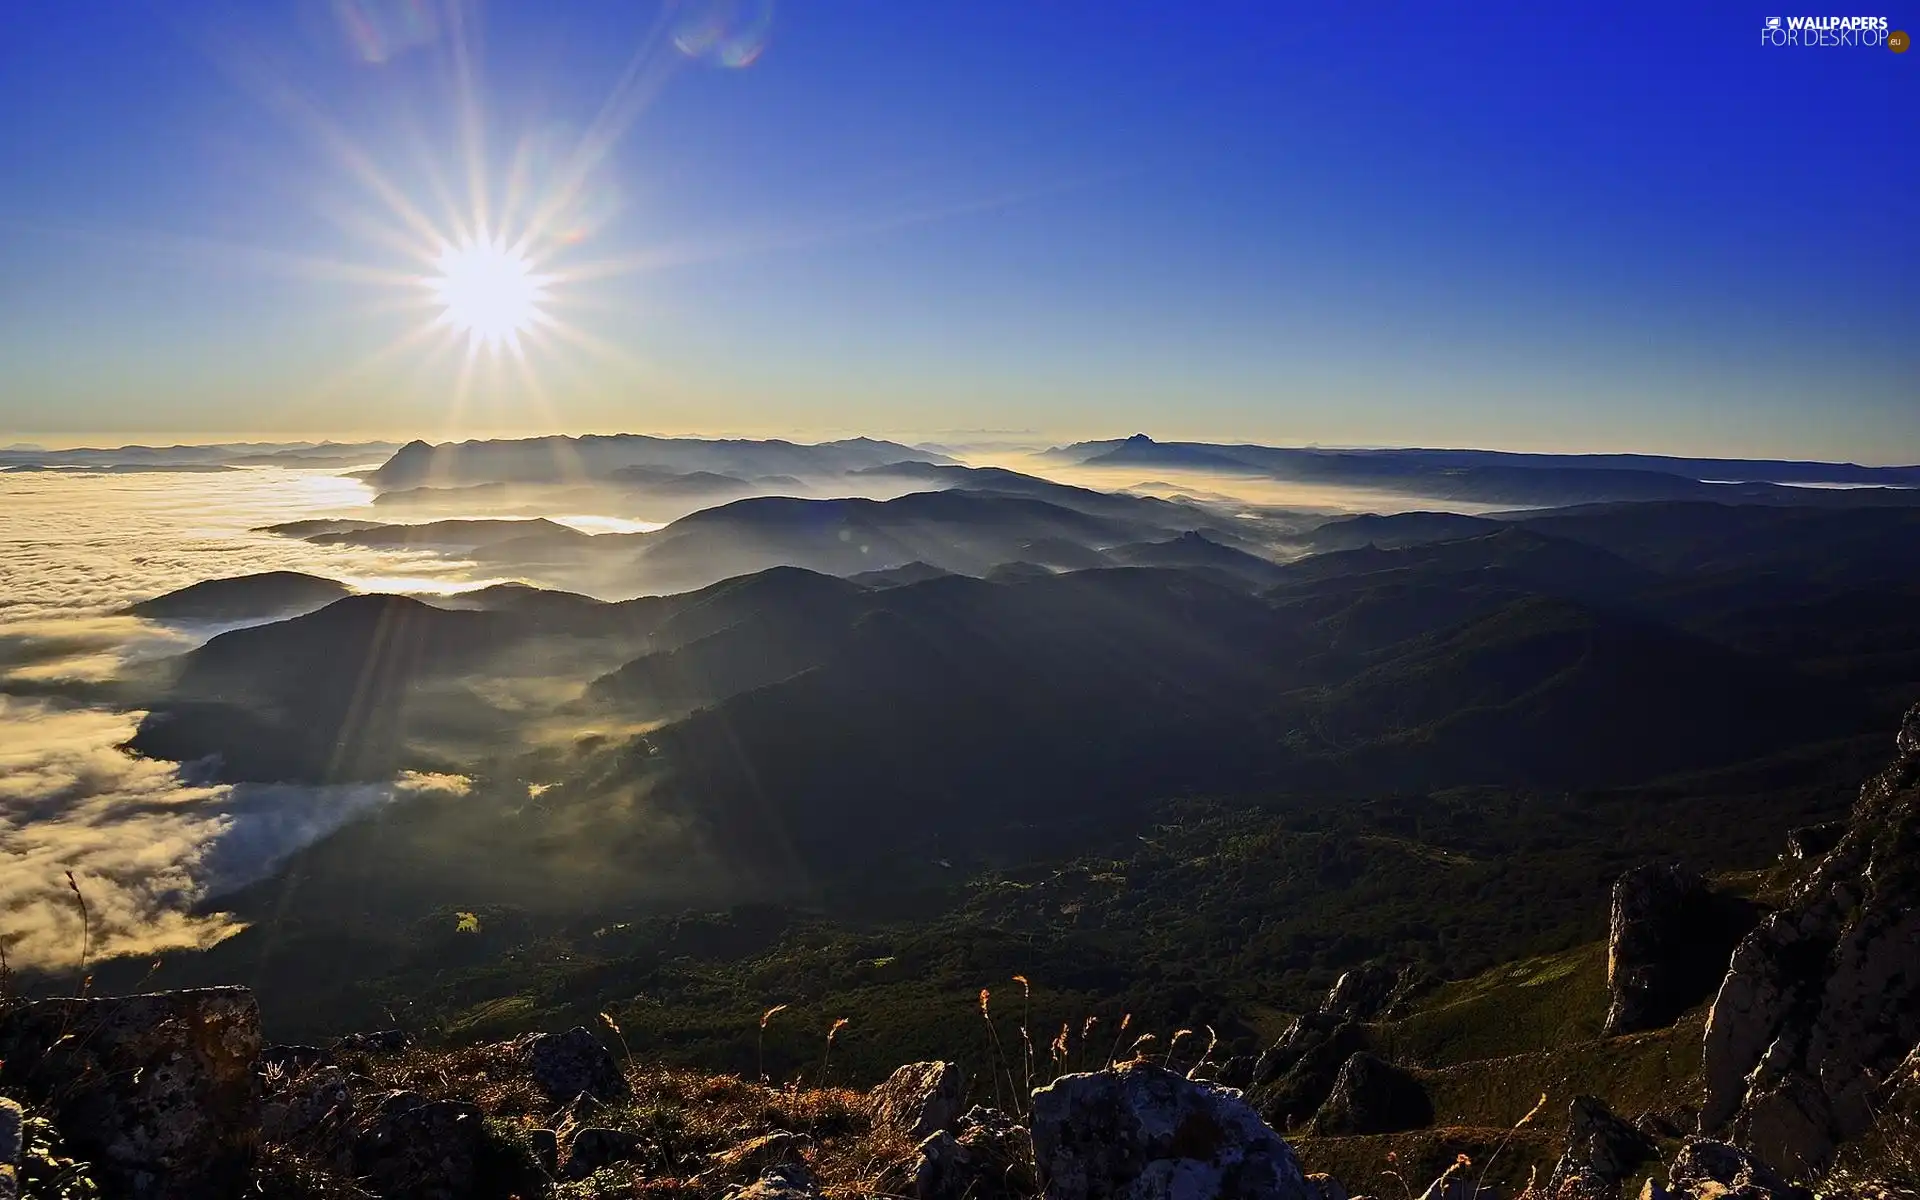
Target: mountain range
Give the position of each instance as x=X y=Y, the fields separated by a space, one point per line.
x=1518 y=480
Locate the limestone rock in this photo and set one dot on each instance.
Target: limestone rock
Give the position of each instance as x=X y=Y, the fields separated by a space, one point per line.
x=1666 y=940
x=1602 y=1150
x=791 y=1181
x=575 y=1063
x=988 y=1157
x=418 y=1149
x=1823 y=998
x=1361 y=994
x=1790 y=1121
x=1145 y=1133
x=13 y=1147
x=757 y=1155
x=918 y=1100
x=1294 y=1076
x=1706 y=1168
x=306 y=1106
x=1765 y=982
x=158 y=1091
x=1811 y=841
x=1373 y=1096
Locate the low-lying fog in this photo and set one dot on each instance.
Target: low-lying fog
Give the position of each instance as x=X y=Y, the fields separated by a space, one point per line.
x=147 y=841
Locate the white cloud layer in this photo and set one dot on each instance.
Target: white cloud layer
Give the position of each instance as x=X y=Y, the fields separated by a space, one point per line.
x=145 y=844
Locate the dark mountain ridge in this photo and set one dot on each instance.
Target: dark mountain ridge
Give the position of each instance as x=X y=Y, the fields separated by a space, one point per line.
x=570 y=459
x=242 y=598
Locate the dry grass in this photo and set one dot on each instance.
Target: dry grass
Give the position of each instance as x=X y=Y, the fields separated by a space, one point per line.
x=1885 y=1165
x=1370 y=1163
x=691 y=1119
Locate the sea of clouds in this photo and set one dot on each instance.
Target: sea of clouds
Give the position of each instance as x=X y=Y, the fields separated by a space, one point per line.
x=146 y=843
x=150 y=844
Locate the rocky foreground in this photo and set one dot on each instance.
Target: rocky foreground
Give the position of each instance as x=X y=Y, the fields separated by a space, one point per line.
x=1809 y=1086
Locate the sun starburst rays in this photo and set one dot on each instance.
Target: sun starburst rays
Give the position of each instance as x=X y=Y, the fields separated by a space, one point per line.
x=488 y=291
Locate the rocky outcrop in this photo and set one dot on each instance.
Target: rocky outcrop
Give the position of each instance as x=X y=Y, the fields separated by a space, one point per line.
x=309 y=1107
x=1294 y=1076
x=1668 y=935
x=576 y=1063
x=1811 y=841
x=1371 y=1095
x=918 y=1100
x=1363 y=993
x=789 y=1181
x=13 y=1148
x=158 y=1091
x=988 y=1157
x=1706 y=1170
x=1602 y=1150
x=1823 y=998
x=1144 y=1132
x=758 y=1155
x=413 y=1148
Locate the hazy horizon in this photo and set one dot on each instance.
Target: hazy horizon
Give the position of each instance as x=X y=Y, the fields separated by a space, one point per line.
x=987 y=442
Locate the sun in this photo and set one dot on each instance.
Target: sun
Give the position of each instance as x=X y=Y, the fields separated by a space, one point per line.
x=488 y=291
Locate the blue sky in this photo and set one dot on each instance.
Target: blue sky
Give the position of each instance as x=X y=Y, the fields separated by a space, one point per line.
x=1510 y=225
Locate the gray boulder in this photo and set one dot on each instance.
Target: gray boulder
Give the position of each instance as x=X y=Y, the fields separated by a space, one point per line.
x=419 y=1149
x=789 y=1181
x=1706 y=1169
x=13 y=1147
x=1362 y=993
x=1145 y=1133
x=1666 y=941
x=568 y=1065
x=1602 y=1150
x=757 y=1155
x=987 y=1157
x=1823 y=998
x=1371 y=1095
x=918 y=1100
x=157 y=1091
x=307 y=1107
x=1294 y=1076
